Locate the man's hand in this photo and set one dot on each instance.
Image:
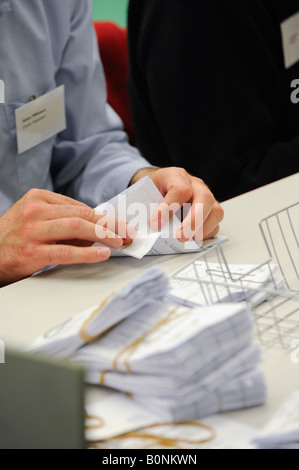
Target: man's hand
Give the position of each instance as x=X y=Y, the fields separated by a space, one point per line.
x=179 y=188
x=44 y=228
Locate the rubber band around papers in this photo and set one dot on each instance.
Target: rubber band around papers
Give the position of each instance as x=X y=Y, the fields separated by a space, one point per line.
x=162 y=440
x=86 y=338
x=140 y=434
x=131 y=348
x=97 y=419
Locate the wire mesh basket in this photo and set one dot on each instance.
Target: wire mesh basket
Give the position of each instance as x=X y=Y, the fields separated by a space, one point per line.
x=270 y=289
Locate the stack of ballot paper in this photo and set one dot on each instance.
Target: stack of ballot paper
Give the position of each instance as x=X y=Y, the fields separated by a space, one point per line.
x=181 y=363
x=205 y=283
x=63 y=340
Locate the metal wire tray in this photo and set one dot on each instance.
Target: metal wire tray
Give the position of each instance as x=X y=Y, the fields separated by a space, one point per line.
x=275 y=303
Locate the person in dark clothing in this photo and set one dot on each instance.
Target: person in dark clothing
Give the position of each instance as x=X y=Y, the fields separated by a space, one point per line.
x=210 y=90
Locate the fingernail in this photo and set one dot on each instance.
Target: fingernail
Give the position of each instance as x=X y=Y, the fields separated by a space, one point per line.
x=103 y=252
x=127 y=241
x=118 y=242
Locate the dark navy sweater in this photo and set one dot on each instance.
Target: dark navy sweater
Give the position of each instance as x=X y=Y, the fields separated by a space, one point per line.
x=209 y=90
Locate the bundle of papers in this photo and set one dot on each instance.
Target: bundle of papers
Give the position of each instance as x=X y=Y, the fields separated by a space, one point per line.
x=282 y=431
x=63 y=340
x=180 y=363
x=167 y=386
x=137 y=205
x=206 y=283
x=184 y=340
x=244 y=391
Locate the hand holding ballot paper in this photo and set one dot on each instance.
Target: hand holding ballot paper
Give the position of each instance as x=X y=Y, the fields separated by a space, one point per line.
x=45 y=229
x=138 y=205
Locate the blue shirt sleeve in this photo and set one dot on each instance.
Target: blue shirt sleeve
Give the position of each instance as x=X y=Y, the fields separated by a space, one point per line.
x=92 y=159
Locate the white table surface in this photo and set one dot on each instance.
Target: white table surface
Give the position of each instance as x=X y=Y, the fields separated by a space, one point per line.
x=30 y=307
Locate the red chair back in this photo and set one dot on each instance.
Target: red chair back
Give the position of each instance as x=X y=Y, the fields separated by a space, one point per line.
x=113 y=47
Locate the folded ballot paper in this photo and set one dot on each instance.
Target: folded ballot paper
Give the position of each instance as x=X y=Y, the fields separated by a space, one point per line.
x=136 y=205
x=177 y=362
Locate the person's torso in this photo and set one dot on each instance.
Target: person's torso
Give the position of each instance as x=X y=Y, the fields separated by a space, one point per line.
x=33 y=34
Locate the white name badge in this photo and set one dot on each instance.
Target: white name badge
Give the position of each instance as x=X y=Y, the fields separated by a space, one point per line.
x=40 y=119
x=2 y=92
x=290 y=40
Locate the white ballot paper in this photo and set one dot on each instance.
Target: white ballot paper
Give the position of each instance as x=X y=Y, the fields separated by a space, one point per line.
x=162 y=339
x=282 y=431
x=110 y=413
x=178 y=363
x=207 y=283
x=136 y=205
x=190 y=388
x=245 y=390
x=86 y=326
x=116 y=421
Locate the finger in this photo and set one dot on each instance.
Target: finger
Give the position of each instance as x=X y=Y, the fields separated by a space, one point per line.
x=178 y=193
x=52 y=198
x=202 y=205
x=213 y=220
x=213 y=234
x=119 y=226
x=66 y=254
x=125 y=230
x=75 y=228
x=66 y=211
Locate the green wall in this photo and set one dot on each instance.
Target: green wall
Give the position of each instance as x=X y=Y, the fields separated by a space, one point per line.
x=115 y=10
